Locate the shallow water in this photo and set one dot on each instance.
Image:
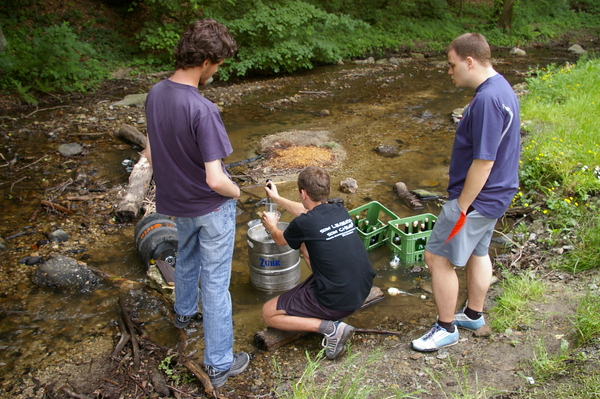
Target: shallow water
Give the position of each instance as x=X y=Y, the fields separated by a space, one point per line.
x=408 y=106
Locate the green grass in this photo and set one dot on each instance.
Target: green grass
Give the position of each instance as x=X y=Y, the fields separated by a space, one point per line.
x=546 y=365
x=464 y=387
x=323 y=379
x=560 y=162
x=513 y=305
x=561 y=152
x=587 y=318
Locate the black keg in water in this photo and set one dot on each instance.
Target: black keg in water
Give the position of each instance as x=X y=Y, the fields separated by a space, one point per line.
x=156 y=239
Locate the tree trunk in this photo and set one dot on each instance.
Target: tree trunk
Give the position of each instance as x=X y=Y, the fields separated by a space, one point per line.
x=3 y=42
x=504 y=22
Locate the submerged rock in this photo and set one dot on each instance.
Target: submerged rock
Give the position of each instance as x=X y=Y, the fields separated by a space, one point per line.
x=388 y=150
x=66 y=273
x=70 y=149
x=349 y=185
x=577 y=49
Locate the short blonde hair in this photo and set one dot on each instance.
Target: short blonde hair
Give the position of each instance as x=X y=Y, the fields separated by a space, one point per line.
x=472 y=45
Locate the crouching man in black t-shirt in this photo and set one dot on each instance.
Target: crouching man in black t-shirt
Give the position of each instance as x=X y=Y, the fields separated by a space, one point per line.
x=342 y=275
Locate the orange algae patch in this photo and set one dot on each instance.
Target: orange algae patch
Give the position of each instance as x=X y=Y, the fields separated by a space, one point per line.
x=299 y=157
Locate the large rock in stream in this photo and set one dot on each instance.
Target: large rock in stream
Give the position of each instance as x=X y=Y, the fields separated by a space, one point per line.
x=66 y=274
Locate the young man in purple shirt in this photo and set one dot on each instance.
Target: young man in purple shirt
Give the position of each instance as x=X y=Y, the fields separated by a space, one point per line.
x=186 y=142
x=483 y=181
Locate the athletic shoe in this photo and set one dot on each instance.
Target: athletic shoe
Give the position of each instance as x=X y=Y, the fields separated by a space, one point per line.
x=435 y=339
x=335 y=343
x=463 y=321
x=182 y=321
x=218 y=378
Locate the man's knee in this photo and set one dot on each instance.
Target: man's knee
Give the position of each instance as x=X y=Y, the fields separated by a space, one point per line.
x=269 y=310
x=436 y=262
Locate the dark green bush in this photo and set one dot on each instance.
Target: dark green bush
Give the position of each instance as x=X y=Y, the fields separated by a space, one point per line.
x=53 y=60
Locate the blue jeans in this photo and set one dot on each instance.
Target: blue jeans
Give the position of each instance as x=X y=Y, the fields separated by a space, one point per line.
x=205 y=251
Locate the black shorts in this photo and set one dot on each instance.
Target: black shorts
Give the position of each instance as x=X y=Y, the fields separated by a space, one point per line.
x=301 y=301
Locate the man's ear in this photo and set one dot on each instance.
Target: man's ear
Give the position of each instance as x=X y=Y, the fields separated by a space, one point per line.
x=470 y=62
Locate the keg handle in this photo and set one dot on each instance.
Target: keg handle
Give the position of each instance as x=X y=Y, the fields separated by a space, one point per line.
x=253 y=223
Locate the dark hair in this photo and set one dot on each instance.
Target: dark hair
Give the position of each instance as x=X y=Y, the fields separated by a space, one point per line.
x=472 y=45
x=205 y=39
x=315 y=181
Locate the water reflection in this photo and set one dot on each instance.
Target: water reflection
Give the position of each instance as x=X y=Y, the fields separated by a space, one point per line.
x=408 y=107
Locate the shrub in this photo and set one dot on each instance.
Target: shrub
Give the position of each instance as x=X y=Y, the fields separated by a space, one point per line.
x=53 y=60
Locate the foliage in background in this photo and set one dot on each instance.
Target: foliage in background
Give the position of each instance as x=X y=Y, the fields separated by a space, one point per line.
x=273 y=36
x=53 y=60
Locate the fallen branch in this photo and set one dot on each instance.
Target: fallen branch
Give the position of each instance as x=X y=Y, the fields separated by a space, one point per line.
x=131 y=134
x=21 y=179
x=56 y=207
x=124 y=337
x=33 y=163
x=202 y=376
x=409 y=198
x=129 y=324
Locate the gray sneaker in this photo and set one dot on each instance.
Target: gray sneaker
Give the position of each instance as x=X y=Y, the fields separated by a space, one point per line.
x=335 y=343
x=463 y=321
x=218 y=378
x=182 y=321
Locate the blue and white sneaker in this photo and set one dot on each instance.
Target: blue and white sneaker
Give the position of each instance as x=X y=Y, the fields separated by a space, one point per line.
x=463 y=321
x=435 y=339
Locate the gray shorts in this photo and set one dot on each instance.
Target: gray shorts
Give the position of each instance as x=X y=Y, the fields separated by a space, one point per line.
x=472 y=239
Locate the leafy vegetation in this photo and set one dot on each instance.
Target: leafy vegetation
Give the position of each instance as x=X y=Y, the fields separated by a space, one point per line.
x=72 y=50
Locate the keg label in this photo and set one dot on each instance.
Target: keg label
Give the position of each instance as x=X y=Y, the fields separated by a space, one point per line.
x=155 y=226
x=269 y=263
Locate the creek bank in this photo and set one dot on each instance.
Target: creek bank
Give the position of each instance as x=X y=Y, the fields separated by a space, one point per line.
x=87 y=366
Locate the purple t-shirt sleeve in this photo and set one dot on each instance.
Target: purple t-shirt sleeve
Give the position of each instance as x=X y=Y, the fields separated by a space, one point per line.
x=487 y=119
x=211 y=137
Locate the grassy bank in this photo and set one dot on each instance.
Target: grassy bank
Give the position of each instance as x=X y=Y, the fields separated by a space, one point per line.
x=560 y=166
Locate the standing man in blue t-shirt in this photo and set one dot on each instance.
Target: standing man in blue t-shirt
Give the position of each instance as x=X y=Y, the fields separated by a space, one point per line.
x=188 y=141
x=483 y=181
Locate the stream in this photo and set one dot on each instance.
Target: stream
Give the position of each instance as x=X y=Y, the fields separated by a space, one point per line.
x=408 y=106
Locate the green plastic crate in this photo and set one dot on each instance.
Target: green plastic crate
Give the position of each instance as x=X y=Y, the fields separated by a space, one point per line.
x=371 y=221
x=408 y=236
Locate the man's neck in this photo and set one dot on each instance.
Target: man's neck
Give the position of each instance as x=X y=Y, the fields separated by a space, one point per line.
x=310 y=205
x=483 y=75
x=190 y=76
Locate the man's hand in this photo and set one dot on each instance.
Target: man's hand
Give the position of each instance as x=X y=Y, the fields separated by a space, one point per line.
x=271 y=190
x=269 y=221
